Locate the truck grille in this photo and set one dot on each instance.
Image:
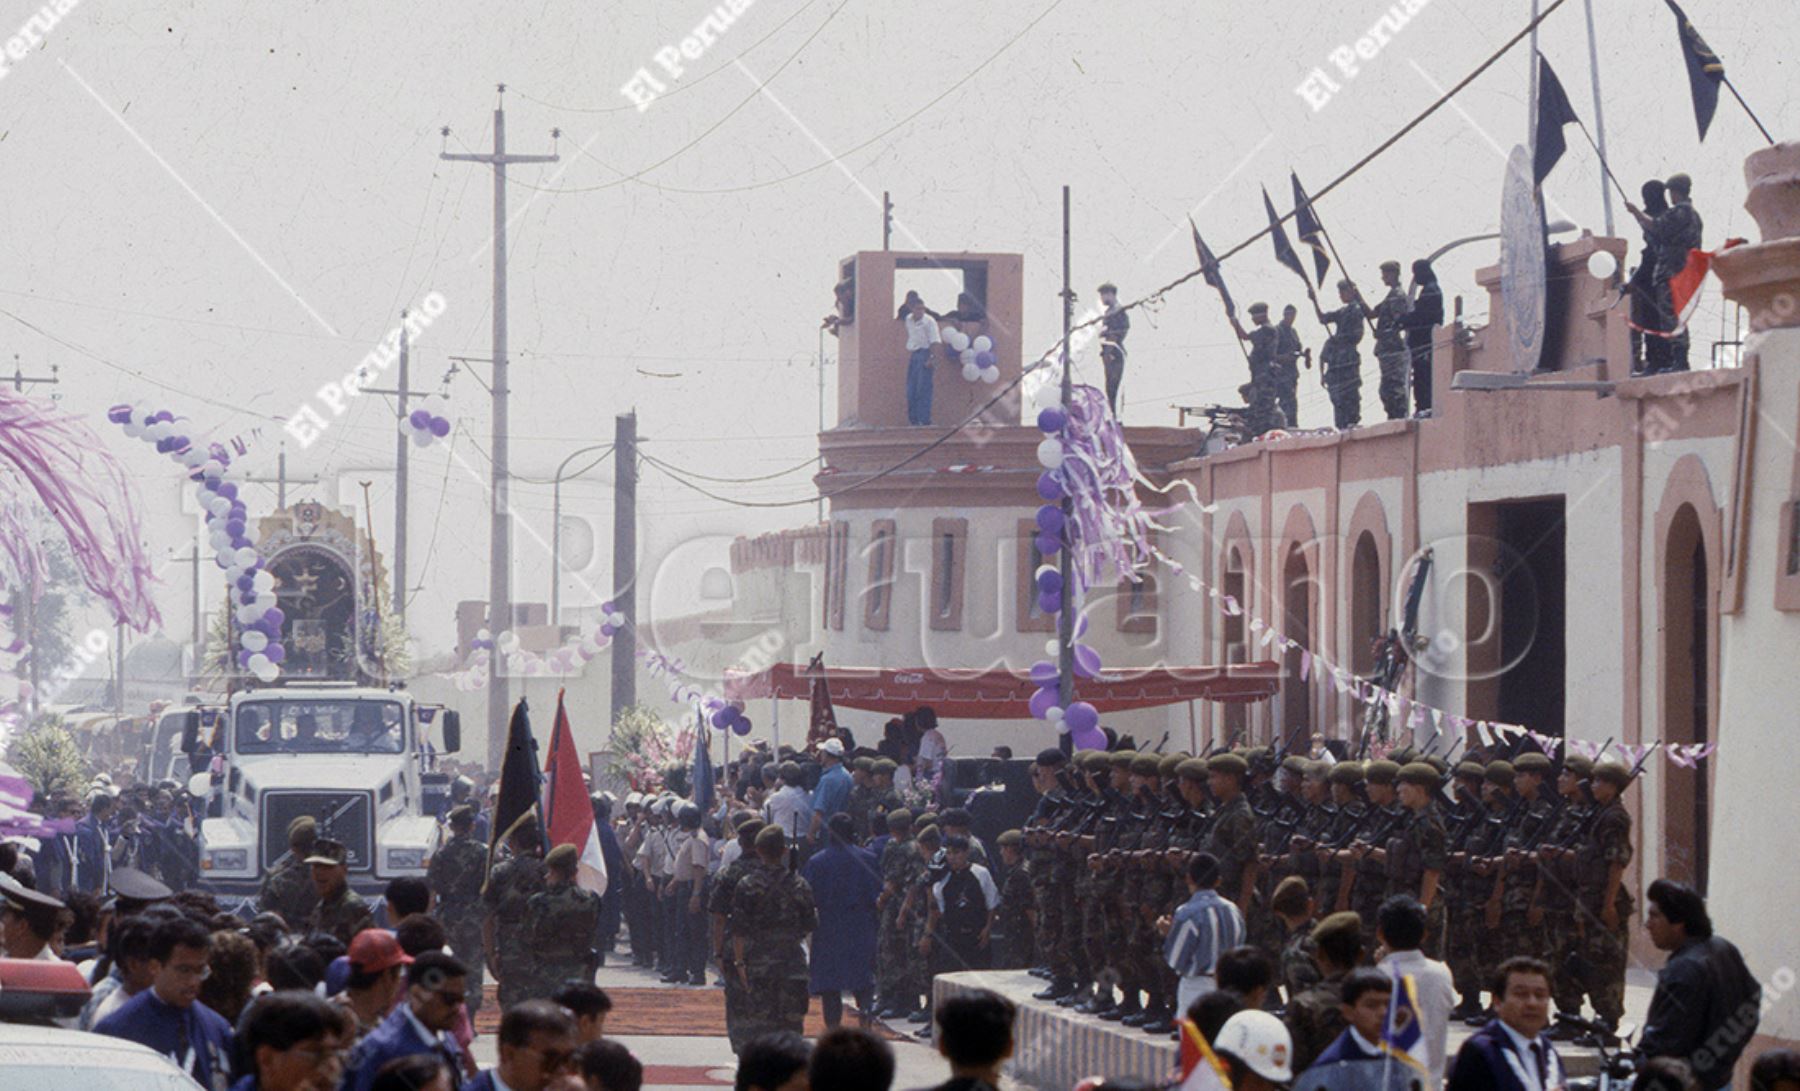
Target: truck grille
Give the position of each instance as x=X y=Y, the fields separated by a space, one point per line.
x=342 y=816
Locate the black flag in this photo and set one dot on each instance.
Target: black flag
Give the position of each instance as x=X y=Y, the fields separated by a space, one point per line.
x=1553 y=112
x=1209 y=270
x=1705 y=70
x=518 y=802
x=1310 y=230
x=1284 y=250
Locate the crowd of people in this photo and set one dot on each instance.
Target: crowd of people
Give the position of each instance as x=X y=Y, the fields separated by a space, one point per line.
x=1248 y=892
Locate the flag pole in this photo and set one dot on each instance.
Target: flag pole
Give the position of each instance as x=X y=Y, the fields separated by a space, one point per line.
x=1232 y=318
x=1604 y=165
x=1368 y=318
x=1729 y=86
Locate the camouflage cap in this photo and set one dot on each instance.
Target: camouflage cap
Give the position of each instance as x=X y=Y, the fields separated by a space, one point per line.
x=1122 y=759
x=1010 y=838
x=926 y=818
x=899 y=817
x=1290 y=895
x=863 y=765
x=1146 y=765
x=329 y=852
x=1582 y=767
x=884 y=767
x=1227 y=763
x=304 y=828
x=1531 y=762
x=1403 y=755
x=1193 y=769
x=1170 y=765
x=1613 y=773
x=1346 y=772
x=1344 y=923
x=1471 y=769
x=1500 y=772
x=1085 y=760
x=1417 y=772
x=564 y=857
x=1260 y=758
x=1381 y=771
x=754 y=823
x=931 y=835
x=1317 y=770
x=460 y=815
x=770 y=836
x=1442 y=766
x=1052 y=756
x=1294 y=763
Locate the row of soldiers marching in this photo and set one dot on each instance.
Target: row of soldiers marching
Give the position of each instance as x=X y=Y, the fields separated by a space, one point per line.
x=1520 y=856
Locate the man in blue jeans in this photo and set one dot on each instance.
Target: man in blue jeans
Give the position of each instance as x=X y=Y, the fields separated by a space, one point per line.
x=921 y=334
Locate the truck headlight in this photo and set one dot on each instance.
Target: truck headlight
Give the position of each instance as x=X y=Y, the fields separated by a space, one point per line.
x=226 y=860
x=405 y=859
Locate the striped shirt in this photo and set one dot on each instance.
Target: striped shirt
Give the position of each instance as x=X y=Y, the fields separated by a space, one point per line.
x=1204 y=926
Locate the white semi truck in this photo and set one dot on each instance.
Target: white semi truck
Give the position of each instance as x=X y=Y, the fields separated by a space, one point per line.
x=359 y=761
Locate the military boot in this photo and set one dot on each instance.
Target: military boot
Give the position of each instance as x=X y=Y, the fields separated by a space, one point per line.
x=1058 y=988
x=1161 y=1019
x=1098 y=1004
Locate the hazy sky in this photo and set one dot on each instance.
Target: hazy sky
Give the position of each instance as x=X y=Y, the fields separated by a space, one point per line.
x=230 y=204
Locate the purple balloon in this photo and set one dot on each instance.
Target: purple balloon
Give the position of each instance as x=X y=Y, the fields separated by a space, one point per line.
x=119 y=414
x=1043 y=672
x=238 y=510
x=740 y=726
x=985 y=360
x=275 y=652
x=1041 y=702
x=247 y=597
x=235 y=528
x=1048 y=544
x=420 y=418
x=244 y=657
x=1050 y=519
x=1051 y=420
x=1087 y=661
x=228 y=490
x=608 y=629
x=1049 y=488
x=246 y=582
x=721 y=719
x=1091 y=738
x=163 y=415
x=1082 y=716
x=182 y=443
x=275 y=617
x=440 y=427
x=1050 y=582
x=166 y=444
x=1049 y=602
x=210 y=485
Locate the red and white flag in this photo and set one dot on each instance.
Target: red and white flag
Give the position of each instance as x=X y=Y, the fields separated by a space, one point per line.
x=1201 y=1069
x=571 y=812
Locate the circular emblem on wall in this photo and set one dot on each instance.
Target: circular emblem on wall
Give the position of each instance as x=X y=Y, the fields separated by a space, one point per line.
x=1523 y=261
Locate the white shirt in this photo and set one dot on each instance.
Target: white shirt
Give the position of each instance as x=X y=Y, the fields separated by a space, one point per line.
x=989 y=892
x=921 y=332
x=932 y=749
x=732 y=850
x=1437 y=996
x=790 y=809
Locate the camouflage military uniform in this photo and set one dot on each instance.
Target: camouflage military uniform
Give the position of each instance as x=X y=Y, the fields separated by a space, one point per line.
x=1232 y=840
x=288 y=890
x=1342 y=364
x=1518 y=878
x=1315 y=1018
x=860 y=806
x=1604 y=950
x=343 y=916
x=1298 y=970
x=724 y=889
x=509 y=889
x=1415 y=850
x=1040 y=865
x=899 y=863
x=1464 y=893
x=1555 y=901
x=560 y=922
x=773 y=911
x=1390 y=351
x=1368 y=880
x=1014 y=945
x=455 y=876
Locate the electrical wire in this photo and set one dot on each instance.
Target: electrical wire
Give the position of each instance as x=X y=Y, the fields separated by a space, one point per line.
x=731 y=480
x=708 y=131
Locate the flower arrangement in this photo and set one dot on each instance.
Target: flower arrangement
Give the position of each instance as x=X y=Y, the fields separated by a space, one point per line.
x=646 y=752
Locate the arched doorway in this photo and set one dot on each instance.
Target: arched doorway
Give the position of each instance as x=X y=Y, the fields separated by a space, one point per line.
x=1365 y=603
x=1233 y=632
x=1297 y=623
x=1687 y=695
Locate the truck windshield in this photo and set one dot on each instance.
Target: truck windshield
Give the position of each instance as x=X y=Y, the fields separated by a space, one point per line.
x=320 y=727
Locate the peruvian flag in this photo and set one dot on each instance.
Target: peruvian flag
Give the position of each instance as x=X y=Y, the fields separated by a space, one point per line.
x=1684 y=286
x=571 y=812
x=1201 y=1069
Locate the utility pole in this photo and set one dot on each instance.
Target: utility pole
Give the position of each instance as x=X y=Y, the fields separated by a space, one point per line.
x=118 y=668
x=500 y=510
x=1065 y=618
x=20 y=380
x=821 y=408
x=1599 y=116
x=193 y=559
x=624 y=566
x=402 y=460
x=280 y=480
x=887 y=220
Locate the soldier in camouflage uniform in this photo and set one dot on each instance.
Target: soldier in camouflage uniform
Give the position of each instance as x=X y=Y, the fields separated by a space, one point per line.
x=1518 y=869
x=1465 y=893
x=1390 y=342
x=1292 y=904
x=341 y=912
x=724 y=889
x=1605 y=905
x=887 y=801
x=288 y=888
x=915 y=917
x=1055 y=952
x=772 y=913
x=1552 y=910
x=1103 y=916
x=1340 y=365
x=1415 y=856
x=860 y=804
x=1071 y=877
x=560 y=921
x=1487 y=862
x=456 y=873
x=1315 y=1017
x=1014 y=941
x=509 y=887
x=897 y=858
x=1362 y=876
x=1231 y=836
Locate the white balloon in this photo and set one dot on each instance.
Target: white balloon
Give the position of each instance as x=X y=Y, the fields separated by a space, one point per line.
x=1054 y=714
x=1050 y=453
x=590 y=647
x=967 y=356
x=483 y=634
x=219 y=540
x=133 y=428
x=265 y=580
x=1601 y=264
x=422 y=439
x=956 y=339
x=219 y=505
x=264 y=602
x=246 y=556
x=161 y=430
x=984 y=343
x=509 y=641
x=193 y=457
x=248 y=615
x=212 y=469
x=268 y=672
x=970 y=372
x=990 y=375
x=254 y=640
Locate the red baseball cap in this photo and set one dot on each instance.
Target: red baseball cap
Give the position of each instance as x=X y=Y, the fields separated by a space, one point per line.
x=374 y=950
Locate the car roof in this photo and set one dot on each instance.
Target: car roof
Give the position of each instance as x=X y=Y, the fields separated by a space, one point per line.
x=30 y=1045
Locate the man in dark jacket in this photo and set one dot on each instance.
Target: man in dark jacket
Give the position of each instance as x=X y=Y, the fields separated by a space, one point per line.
x=1707 y=1003
x=1511 y=1053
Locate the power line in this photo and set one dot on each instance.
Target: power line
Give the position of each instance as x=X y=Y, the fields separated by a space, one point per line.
x=732 y=480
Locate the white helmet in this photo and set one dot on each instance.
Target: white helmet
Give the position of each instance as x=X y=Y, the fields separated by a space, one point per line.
x=1261 y=1041
x=635 y=799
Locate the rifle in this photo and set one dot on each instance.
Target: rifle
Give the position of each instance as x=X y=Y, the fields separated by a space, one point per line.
x=1287 y=744
x=1593 y=815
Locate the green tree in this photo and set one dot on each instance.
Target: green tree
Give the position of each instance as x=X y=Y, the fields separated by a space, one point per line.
x=47 y=756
